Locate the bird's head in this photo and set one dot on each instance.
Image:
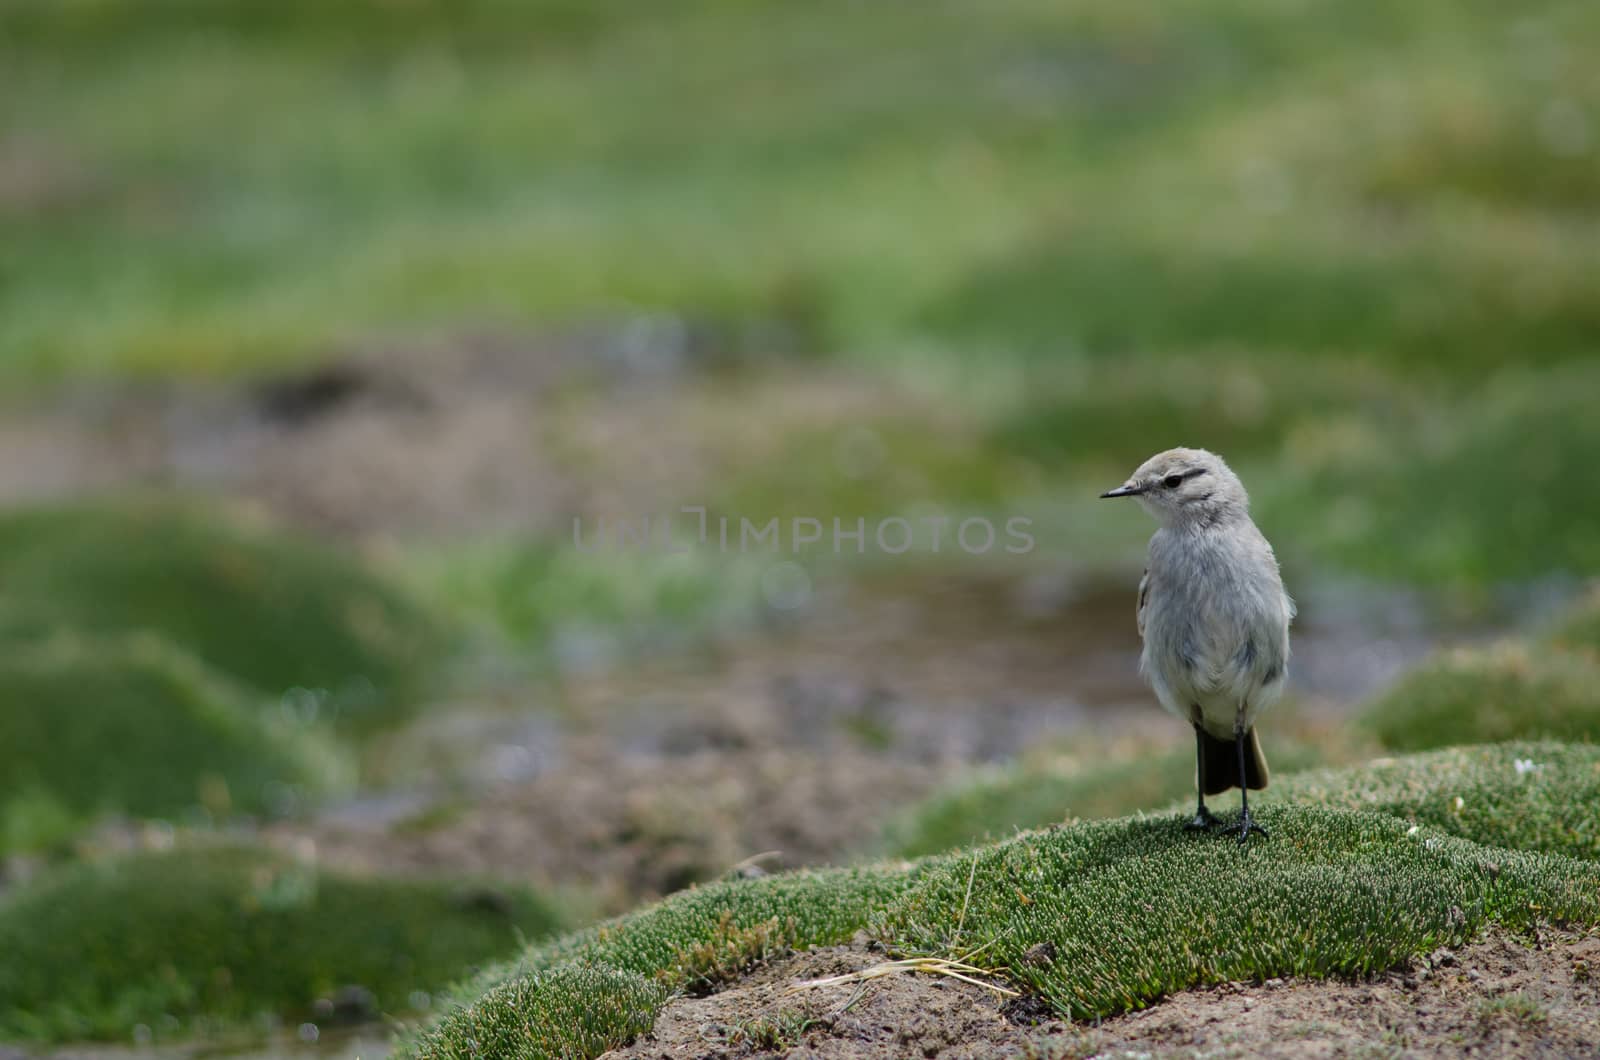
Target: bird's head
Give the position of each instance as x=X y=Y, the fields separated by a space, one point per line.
x=1186 y=487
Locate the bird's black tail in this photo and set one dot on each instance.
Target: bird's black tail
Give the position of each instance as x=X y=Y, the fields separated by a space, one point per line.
x=1219 y=763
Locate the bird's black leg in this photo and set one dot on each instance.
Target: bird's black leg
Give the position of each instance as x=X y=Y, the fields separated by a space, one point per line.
x=1204 y=820
x=1246 y=825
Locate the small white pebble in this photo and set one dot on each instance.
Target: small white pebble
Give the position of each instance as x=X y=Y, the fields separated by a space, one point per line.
x=1461 y=804
x=1414 y=829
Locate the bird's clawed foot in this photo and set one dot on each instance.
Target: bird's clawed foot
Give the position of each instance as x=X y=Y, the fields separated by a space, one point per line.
x=1248 y=825
x=1204 y=821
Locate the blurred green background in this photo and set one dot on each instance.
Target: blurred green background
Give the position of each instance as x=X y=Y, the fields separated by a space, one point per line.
x=319 y=323
x=1311 y=236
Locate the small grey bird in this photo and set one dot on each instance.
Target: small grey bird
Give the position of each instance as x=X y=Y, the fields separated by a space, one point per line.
x=1213 y=616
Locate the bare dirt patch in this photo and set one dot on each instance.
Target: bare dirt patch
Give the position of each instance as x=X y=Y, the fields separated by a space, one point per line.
x=483 y=432
x=628 y=829
x=1500 y=996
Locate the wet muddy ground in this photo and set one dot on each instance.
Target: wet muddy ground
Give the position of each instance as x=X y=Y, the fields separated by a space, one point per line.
x=796 y=744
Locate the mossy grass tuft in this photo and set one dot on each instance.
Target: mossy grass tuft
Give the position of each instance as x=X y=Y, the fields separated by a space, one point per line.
x=130 y=724
x=1136 y=908
x=272 y=611
x=571 y=1010
x=1535 y=796
x=220 y=936
x=1132 y=908
x=1507 y=691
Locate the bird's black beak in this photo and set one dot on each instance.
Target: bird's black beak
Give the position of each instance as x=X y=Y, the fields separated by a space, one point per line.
x=1123 y=491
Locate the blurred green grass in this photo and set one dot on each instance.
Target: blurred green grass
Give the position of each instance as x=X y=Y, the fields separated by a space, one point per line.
x=97 y=726
x=1508 y=691
x=552 y=601
x=1239 y=224
x=159 y=660
x=216 y=938
x=274 y=611
x=1066 y=174
x=1470 y=492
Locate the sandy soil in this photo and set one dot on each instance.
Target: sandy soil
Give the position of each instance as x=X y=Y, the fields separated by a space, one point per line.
x=1500 y=996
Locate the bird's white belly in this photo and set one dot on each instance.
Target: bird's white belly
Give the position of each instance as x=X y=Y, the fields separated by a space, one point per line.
x=1221 y=699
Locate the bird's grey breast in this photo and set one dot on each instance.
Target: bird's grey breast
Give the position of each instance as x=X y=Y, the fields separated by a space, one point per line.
x=1216 y=617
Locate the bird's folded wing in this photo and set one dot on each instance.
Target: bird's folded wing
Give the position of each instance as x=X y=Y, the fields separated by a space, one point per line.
x=1144 y=599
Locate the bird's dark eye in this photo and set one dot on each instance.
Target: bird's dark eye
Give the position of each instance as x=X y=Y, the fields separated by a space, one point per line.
x=1172 y=482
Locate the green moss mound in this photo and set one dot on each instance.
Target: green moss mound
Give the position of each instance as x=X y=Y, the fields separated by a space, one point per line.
x=1131 y=909
x=270 y=610
x=1528 y=796
x=133 y=725
x=1127 y=911
x=1509 y=691
x=219 y=935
